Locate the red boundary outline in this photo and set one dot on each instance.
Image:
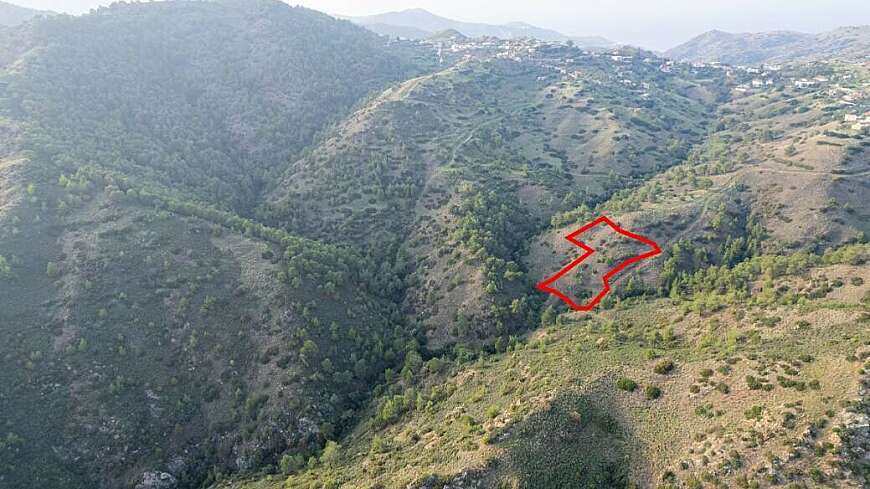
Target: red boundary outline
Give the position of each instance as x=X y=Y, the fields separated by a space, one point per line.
x=589 y=251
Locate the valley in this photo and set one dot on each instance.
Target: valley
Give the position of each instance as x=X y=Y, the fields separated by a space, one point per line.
x=245 y=245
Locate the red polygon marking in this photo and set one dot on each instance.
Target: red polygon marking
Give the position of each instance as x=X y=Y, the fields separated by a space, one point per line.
x=589 y=251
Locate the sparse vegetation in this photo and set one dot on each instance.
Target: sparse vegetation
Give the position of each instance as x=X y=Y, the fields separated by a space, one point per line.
x=320 y=273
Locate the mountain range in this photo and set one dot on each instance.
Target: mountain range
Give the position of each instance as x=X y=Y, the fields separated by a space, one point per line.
x=245 y=245
x=845 y=43
x=420 y=24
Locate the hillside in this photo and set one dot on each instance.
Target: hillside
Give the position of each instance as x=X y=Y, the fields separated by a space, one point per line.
x=247 y=245
x=462 y=166
x=213 y=112
x=149 y=324
x=778 y=174
x=758 y=393
x=12 y=15
x=761 y=341
x=845 y=43
x=419 y=24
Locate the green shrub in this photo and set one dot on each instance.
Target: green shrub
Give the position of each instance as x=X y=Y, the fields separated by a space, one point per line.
x=380 y=444
x=754 y=412
x=753 y=383
x=254 y=403
x=664 y=367
x=626 y=384
x=330 y=454
x=291 y=463
x=5 y=269
x=469 y=424
x=652 y=392
x=705 y=410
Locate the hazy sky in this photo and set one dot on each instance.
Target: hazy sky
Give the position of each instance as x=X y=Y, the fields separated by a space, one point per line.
x=656 y=24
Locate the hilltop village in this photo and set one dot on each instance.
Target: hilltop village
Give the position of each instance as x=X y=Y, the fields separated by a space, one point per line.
x=845 y=86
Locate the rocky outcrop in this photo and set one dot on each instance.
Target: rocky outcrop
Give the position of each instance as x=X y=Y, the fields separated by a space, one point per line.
x=157 y=480
x=467 y=479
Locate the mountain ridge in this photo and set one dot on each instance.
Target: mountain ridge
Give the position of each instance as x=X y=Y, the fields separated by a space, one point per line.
x=393 y=24
x=848 y=43
x=12 y=15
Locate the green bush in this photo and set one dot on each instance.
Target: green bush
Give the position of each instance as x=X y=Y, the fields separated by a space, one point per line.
x=330 y=454
x=652 y=392
x=5 y=269
x=291 y=463
x=664 y=367
x=752 y=383
x=754 y=412
x=626 y=384
x=380 y=444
